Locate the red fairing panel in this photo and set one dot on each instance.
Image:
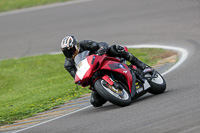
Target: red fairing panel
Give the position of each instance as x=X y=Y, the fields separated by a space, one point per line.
x=86 y=69
x=76 y=79
x=119 y=68
x=107 y=79
x=126 y=49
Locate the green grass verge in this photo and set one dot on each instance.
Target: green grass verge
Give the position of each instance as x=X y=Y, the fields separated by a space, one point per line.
x=30 y=85
x=6 y=5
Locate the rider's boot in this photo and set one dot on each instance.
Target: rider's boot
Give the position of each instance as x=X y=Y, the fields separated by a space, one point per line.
x=138 y=63
x=96 y=100
x=135 y=61
x=119 y=51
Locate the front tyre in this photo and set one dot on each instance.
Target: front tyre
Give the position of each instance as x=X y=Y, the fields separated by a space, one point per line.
x=158 y=85
x=120 y=96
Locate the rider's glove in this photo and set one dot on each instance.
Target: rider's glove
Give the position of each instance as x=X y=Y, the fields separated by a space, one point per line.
x=101 y=51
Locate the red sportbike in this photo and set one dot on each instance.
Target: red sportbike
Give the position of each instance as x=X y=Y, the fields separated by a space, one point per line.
x=114 y=80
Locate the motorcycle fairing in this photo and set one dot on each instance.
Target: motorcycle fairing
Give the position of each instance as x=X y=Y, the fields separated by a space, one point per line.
x=116 y=66
x=90 y=65
x=119 y=68
x=83 y=67
x=108 y=79
x=84 y=70
x=87 y=66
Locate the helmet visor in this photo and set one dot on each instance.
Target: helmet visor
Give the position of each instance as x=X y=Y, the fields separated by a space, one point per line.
x=70 y=52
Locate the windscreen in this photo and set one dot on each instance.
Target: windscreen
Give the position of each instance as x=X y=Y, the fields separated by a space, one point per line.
x=80 y=57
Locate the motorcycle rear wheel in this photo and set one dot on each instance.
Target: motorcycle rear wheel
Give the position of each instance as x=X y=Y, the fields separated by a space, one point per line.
x=158 y=85
x=120 y=97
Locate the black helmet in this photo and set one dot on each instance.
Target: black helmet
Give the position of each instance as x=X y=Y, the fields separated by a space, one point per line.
x=70 y=47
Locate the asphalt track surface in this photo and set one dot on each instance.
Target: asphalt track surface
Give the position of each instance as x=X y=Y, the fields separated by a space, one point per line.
x=127 y=22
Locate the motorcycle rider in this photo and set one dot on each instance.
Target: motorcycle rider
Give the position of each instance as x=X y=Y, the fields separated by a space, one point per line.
x=71 y=47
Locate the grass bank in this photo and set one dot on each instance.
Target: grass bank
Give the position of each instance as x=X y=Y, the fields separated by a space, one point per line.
x=7 y=5
x=31 y=85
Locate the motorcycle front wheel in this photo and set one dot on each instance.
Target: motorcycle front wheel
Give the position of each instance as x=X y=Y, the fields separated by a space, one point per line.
x=118 y=96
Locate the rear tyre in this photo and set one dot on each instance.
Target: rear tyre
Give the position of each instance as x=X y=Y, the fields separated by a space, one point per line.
x=120 y=96
x=158 y=85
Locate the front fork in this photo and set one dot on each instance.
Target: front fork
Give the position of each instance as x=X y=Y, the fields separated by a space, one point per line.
x=110 y=81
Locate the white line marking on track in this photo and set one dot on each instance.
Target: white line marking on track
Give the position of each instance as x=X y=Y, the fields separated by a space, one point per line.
x=191 y=130
x=184 y=54
x=53 y=119
x=41 y=7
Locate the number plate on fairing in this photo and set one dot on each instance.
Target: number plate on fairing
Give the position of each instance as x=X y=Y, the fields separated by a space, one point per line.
x=83 y=67
x=146 y=85
x=140 y=89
